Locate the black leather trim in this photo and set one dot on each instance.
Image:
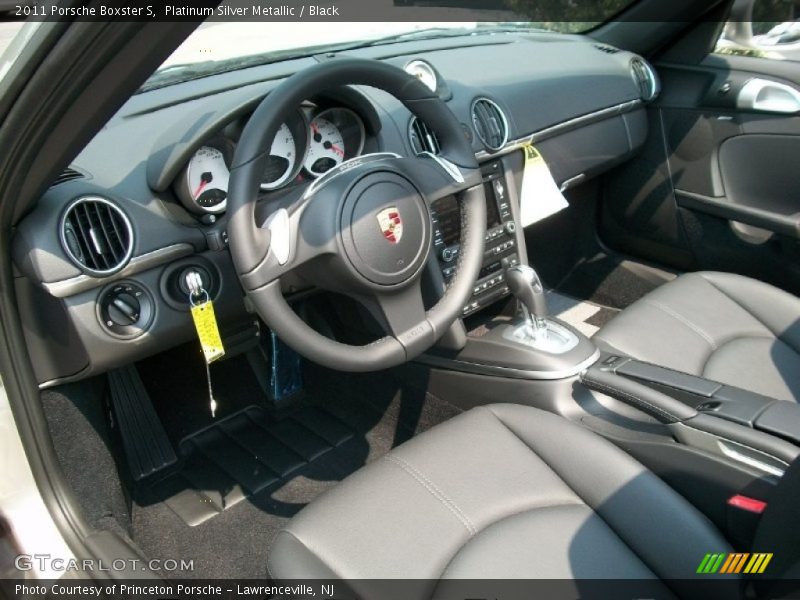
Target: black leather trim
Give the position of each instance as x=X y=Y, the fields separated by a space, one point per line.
x=654 y=403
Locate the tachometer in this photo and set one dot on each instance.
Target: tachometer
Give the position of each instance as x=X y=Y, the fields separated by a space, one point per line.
x=281 y=161
x=335 y=135
x=205 y=186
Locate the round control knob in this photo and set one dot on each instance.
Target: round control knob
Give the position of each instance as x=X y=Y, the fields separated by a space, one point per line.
x=125 y=309
x=510 y=226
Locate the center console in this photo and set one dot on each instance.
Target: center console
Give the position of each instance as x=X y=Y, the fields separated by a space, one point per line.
x=501 y=249
x=761 y=432
x=527 y=344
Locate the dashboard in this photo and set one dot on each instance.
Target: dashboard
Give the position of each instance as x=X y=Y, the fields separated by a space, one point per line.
x=101 y=261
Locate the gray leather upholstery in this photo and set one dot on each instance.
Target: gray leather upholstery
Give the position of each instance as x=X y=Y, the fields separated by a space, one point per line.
x=503 y=492
x=728 y=328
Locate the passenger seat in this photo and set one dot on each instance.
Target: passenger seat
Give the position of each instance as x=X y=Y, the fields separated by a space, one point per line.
x=724 y=327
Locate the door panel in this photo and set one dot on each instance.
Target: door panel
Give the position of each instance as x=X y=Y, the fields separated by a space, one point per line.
x=718 y=184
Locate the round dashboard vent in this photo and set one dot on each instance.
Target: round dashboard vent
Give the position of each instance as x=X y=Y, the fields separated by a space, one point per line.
x=490 y=123
x=644 y=76
x=97 y=235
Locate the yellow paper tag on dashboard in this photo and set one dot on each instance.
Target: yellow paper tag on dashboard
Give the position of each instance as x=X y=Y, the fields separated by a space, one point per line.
x=206 y=324
x=539 y=196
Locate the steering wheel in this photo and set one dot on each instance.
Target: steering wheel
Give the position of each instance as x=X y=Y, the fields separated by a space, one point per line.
x=362 y=229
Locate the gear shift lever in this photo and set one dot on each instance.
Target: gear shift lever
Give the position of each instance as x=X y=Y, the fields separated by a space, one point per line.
x=524 y=283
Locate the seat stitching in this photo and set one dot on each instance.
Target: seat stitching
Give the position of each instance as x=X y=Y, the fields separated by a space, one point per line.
x=682 y=319
x=577 y=494
x=269 y=570
x=730 y=341
x=435 y=491
x=751 y=313
x=517 y=513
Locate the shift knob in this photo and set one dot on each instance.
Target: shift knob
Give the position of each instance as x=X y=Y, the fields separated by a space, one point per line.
x=525 y=284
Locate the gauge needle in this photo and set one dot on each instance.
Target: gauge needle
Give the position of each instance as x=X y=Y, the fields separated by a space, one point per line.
x=338 y=150
x=315 y=131
x=205 y=179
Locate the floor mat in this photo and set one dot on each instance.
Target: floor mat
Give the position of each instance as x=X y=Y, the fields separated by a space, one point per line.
x=243 y=455
x=586 y=317
x=245 y=476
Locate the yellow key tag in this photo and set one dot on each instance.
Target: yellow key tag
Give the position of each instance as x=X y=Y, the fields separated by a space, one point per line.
x=206 y=324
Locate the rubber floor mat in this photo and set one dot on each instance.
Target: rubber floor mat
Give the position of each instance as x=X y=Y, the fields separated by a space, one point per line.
x=242 y=455
x=376 y=411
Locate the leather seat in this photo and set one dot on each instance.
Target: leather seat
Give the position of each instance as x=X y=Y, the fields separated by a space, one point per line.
x=502 y=492
x=724 y=327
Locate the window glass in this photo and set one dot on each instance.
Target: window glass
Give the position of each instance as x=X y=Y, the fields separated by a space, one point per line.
x=763 y=29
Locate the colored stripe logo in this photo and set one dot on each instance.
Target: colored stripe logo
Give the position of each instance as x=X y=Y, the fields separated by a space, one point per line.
x=734 y=562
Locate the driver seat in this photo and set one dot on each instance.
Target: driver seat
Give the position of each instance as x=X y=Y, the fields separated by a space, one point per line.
x=499 y=492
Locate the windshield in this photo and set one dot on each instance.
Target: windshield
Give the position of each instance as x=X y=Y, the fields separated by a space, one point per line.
x=220 y=41
x=220 y=46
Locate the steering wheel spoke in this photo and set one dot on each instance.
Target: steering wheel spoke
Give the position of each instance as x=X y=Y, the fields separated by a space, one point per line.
x=402 y=314
x=437 y=176
x=297 y=234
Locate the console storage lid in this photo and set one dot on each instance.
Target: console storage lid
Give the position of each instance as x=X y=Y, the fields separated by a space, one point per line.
x=781 y=418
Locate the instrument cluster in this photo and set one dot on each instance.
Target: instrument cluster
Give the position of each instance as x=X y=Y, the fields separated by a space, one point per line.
x=313 y=141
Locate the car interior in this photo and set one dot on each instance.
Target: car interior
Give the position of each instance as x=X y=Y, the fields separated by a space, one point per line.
x=418 y=382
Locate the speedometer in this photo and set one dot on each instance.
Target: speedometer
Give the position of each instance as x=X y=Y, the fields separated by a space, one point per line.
x=205 y=187
x=335 y=135
x=326 y=147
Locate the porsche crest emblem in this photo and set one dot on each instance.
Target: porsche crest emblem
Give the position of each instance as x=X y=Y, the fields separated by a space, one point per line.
x=391 y=224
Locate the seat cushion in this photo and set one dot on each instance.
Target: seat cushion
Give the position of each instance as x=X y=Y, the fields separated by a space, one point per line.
x=728 y=328
x=504 y=491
